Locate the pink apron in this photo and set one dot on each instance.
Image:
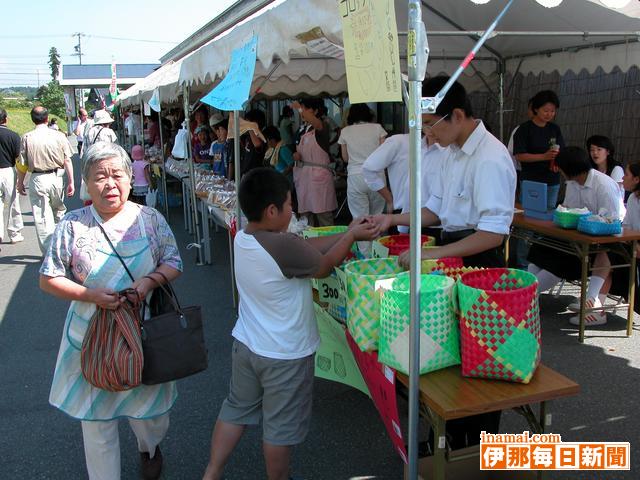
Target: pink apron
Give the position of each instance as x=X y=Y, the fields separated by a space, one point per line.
x=314 y=184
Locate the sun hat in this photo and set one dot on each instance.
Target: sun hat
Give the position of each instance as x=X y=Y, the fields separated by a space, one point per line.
x=216 y=119
x=137 y=152
x=102 y=117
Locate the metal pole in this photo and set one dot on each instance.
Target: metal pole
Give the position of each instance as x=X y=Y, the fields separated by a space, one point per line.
x=501 y=101
x=236 y=164
x=429 y=105
x=142 y=122
x=415 y=48
x=163 y=175
x=192 y=179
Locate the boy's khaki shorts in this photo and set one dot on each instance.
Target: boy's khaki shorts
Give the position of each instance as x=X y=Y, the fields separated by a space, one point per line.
x=278 y=392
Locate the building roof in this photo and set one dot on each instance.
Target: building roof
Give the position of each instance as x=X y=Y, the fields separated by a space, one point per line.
x=94 y=75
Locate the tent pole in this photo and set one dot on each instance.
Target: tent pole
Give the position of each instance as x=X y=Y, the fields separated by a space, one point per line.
x=236 y=173
x=501 y=101
x=192 y=179
x=163 y=176
x=141 y=123
x=415 y=48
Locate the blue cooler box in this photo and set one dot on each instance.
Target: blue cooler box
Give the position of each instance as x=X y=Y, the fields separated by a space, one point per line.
x=538 y=199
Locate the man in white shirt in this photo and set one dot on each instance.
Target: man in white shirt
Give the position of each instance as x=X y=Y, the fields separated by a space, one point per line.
x=473 y=201
x=79 y=126
x=473 y=197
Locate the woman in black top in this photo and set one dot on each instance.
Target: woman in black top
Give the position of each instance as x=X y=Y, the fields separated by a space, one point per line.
x=537 y=142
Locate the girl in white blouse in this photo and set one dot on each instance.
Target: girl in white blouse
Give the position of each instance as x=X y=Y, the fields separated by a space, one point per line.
x=601 y=152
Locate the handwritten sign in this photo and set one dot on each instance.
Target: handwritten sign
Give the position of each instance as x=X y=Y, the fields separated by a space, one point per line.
x=317 y=42
x=334 y=359
x=329 y=291
x=233 y=91
x=381 y=382
x=342 y=281
x=371 y=52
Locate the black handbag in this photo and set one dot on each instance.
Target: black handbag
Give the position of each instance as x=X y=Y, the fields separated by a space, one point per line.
x=172 y=338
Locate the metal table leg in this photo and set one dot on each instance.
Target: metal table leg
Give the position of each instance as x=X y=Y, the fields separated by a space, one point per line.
x=632 y=288
x=439 y=460
x=206 y=239
x=584 y=256
x=185 y=206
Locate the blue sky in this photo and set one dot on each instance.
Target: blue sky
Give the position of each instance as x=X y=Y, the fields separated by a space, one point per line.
x=31 y=27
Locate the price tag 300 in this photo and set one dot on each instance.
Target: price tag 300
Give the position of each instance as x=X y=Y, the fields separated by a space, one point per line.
x=329 y=291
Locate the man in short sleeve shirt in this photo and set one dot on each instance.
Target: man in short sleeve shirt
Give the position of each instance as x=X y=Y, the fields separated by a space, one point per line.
x=9 y=152
x=46 y=155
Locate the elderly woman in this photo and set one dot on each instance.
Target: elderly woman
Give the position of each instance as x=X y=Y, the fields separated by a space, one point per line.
x=80 y=266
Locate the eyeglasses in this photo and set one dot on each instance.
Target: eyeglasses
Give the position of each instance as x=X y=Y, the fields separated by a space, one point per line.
x=429 y=128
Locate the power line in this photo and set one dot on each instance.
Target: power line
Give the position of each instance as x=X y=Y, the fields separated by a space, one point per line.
x=18 y=73
x=130 y=39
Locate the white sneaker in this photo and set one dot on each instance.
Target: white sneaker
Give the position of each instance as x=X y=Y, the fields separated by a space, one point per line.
x=589 y=303
x=17 y=239
x=590 y=319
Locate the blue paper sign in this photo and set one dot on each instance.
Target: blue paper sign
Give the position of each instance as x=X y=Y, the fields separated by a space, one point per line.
x=233 y=91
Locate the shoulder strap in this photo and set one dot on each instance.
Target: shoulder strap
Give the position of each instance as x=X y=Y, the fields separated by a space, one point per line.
x=116 y=252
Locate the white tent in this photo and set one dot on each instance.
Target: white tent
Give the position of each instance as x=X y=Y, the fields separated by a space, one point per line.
x=164 y=78
x=578 y=34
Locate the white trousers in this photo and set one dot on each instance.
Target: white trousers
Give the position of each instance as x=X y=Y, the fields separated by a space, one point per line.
x=46 y=194
x=11 y=201
x=102 y=443
x=363 y=201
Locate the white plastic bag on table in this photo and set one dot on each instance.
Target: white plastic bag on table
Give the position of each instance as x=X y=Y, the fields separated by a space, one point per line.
x=179 y=149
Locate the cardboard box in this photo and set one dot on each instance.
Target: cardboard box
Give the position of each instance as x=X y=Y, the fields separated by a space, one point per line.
x=467 y=469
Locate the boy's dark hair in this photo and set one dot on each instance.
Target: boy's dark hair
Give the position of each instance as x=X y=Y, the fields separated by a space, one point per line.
x=260 y=188
x=39 y=115
x=313 y=104
x=573 y=161
x=272 y=133
x=603 y=142
x=542 y=98
x=456 y=97
x=287 y=111
x=634 y=168
x=3 y=115
x=224 y=124
x=359 y=112
x=256 y=116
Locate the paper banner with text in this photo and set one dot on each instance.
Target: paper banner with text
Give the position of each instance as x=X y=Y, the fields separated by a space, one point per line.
x=233 y=91
x=371 y=51
x=381 y=381
x=154 y=101
x=334 y=360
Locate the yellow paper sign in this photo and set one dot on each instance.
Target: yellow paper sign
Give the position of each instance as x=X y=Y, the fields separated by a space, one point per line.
x=371 y=50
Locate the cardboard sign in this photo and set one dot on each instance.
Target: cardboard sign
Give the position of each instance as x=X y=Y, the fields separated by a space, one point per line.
x=342 y=281
x=233 y=91
x=379 y=251
x=329 y=291
x=371 y=51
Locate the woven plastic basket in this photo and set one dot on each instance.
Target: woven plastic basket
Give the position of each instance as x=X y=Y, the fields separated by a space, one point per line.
x=313 y=232
x=599 y=228
x=437 y=264
x=399 y=243
x=363 y=301
x=567 y=219
x=499 y=324
x=439 y=336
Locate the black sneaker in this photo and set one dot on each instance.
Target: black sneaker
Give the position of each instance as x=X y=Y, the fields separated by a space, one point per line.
x=151 y=467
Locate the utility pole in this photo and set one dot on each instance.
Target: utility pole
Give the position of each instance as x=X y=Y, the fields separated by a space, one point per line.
x=38 y=72
x=78 y=47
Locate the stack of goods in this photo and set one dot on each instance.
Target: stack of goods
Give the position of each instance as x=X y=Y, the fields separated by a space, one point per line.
x=153 y=154
x=599 y=225
x=568 y=217
x=499 y=324
x=439 y=337
x=178 y=168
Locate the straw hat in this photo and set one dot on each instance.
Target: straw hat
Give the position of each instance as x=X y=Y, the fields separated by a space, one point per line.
x=216 y=119
x=102 y=117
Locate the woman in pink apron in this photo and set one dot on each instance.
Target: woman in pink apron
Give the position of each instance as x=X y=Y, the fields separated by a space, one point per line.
x=312 y=175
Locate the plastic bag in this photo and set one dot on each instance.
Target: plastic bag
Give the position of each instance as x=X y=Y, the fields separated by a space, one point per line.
x=151 y=198
x=179 y=149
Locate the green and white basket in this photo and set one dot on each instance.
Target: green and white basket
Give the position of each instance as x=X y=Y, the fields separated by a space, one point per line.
x=363 y=301
x=439 y=332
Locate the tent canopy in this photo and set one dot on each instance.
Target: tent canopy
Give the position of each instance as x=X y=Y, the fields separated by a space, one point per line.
x=573 y=28
x=164 y=78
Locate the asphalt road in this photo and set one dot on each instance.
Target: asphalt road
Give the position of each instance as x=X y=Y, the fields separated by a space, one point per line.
x=347 y=438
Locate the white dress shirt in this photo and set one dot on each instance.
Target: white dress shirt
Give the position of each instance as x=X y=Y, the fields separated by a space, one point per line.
x=600 y=194
x=393 y=155
x=632 y=217
x=476 y=188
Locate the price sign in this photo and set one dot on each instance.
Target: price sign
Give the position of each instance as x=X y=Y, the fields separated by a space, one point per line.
x=379 y=251
x=329 y=291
